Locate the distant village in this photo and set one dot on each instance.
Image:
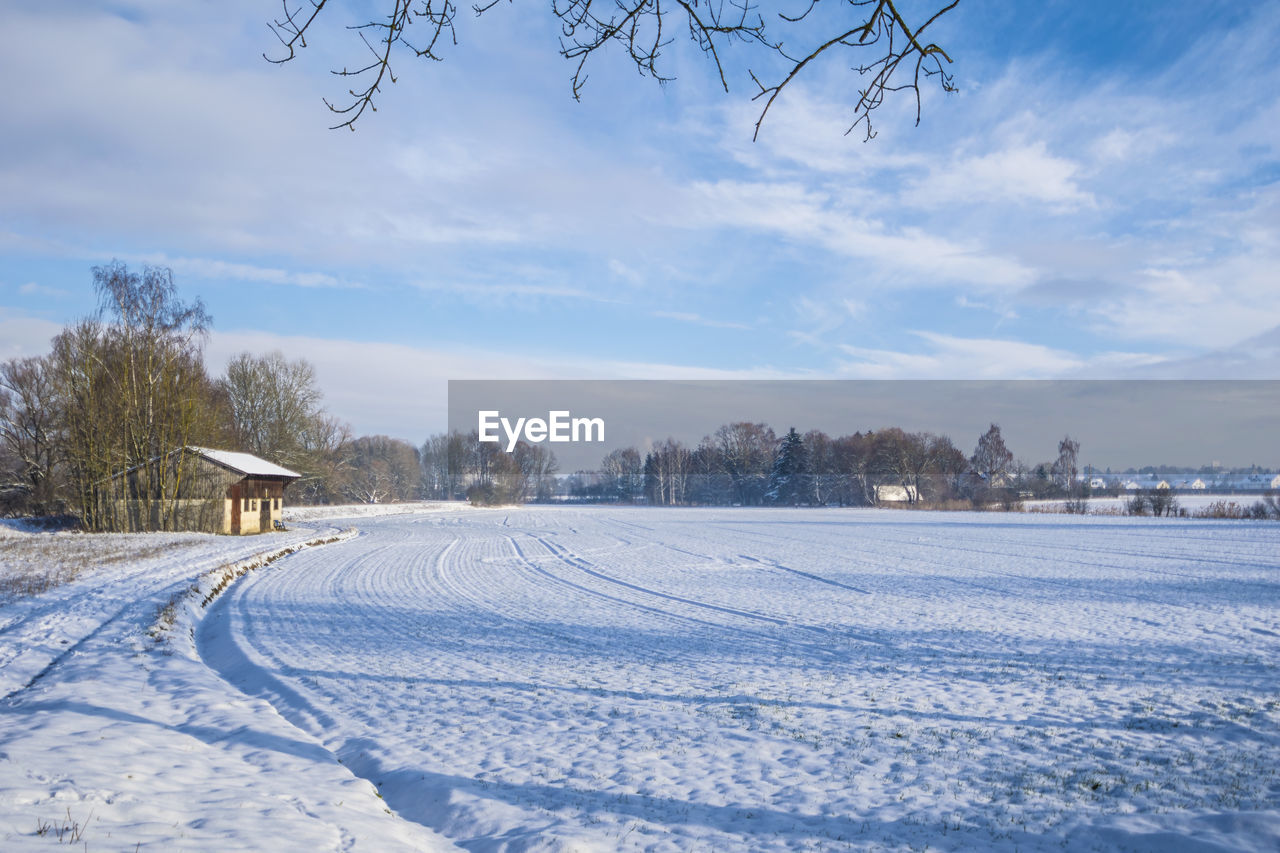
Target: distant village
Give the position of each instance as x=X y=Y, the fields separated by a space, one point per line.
x=1213 y=480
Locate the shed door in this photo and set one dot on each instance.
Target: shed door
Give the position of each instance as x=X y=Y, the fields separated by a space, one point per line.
x=264 y=512
x=235 y=509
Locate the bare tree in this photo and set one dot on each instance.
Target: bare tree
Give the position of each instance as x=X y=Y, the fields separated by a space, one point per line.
x=666 y=473
x=708 y=483
x=273 y=400
x=947 y=463
x=622 y=474
x=854 y=461
x=325 y=459
x=434 y=456
x=29 y=429
x=991 y=458
x=746 y=453
x=499 y=477
x=822 y=473
x=1066 y=468
x=382 y=470
x=538 y=469
x=893 y=53
x=276 y=413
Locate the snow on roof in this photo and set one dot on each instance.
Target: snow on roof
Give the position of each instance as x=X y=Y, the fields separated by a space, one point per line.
x=244 y=463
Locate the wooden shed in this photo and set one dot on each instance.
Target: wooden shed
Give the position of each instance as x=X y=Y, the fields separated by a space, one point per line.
x=199 y=489
x=254 y=502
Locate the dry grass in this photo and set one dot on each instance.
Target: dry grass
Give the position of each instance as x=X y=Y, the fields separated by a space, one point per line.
x=68 y=831
x=1258 y=510
x=31 y=564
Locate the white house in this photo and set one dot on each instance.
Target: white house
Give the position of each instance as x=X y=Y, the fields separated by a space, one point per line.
x=895 y=494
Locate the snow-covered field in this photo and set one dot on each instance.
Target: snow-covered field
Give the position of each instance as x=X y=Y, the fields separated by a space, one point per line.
x=611 y=679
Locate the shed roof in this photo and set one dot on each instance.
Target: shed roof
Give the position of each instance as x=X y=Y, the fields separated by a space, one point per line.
x=244 y=463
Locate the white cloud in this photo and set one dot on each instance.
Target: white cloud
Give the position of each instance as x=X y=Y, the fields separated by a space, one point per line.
x=215 y=269
x=1020 y=174
x=401 y=390
x=625 y=272
x=31 y=288
x=1257 y=357
x=1211 y=304
x=242 y=163
x=23 y=336
x=500 y=292
x=949 y=357
x=699 y=320
x=807 y=133
x=907 y=257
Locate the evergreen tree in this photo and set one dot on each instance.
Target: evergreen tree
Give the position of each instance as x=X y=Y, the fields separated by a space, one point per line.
x=651 y=487
x=789 y=480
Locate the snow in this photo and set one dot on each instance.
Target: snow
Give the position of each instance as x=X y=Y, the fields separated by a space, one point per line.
x=245 y=463
x=564 y=678
x=138 y=744
x=353 y=511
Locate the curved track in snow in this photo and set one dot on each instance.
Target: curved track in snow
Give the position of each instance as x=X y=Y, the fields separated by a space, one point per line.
x=755 y=680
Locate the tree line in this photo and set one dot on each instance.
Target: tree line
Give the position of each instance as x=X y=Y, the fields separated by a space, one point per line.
x=122 y=388
x=748 y=464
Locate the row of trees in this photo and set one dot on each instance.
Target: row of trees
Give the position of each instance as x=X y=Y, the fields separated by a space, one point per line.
x=740 y=463
x=458 y=465
x=746 y=463
x=122 y=388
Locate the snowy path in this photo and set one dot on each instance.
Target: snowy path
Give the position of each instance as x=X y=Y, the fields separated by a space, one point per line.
x=110 y=741
x=777 y=680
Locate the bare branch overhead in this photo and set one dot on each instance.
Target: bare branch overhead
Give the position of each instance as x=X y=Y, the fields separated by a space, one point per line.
x=894 y=55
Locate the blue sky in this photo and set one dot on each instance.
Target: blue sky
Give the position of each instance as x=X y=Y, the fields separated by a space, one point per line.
x=1101 y=199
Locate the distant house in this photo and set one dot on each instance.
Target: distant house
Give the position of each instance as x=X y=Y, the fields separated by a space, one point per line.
x=1097 y=483
x=1131 y=485
x=896 y=494
x=1197 y=483
x=1275 y=482
x=976 y=480
x=204 y=490
x=1163 y=484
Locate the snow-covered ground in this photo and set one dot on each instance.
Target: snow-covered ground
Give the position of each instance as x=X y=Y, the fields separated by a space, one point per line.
x=110 y=740
x=612 y=678
x=345 y=511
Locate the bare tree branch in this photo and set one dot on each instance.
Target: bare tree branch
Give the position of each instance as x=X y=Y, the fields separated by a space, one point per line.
x=883 y=26
x=901 y=59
